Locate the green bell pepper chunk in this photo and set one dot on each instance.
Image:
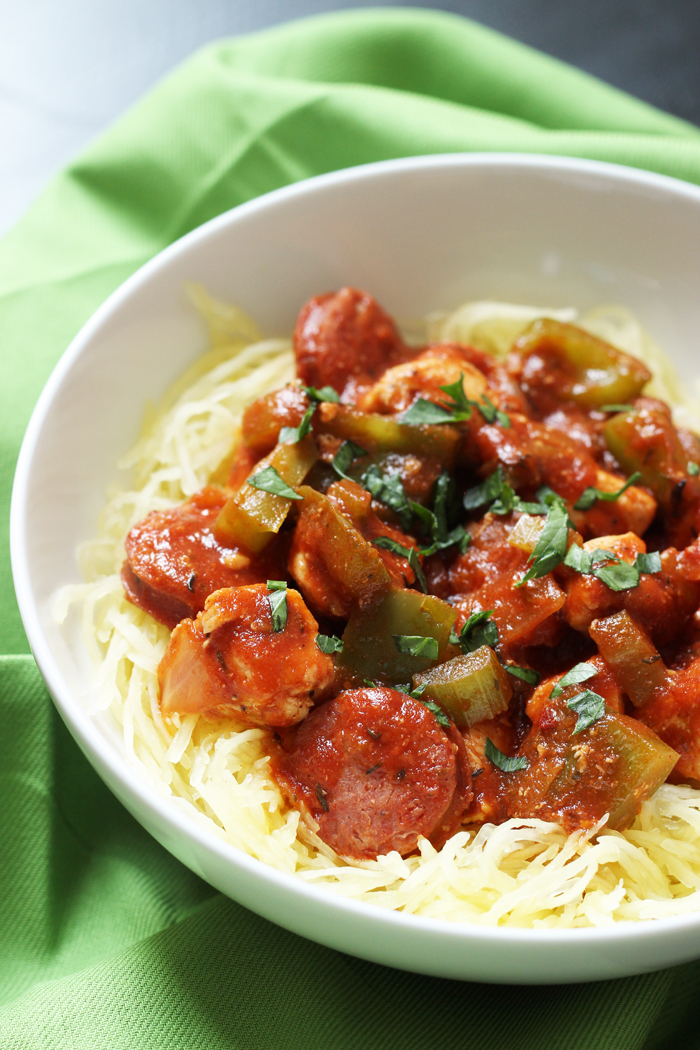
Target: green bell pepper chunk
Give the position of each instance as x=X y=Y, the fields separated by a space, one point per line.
x=369 y=646
x=379 y=434
x=469 y=688
x=589 y=371
x=635 y=663
x=251 y=518
x=646 y=440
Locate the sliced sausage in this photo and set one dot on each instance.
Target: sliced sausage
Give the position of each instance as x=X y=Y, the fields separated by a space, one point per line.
x=173 y=562
x=345 y=340
x=376 y=771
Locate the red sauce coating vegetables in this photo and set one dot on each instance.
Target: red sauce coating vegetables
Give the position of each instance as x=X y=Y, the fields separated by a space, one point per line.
x=460 y=590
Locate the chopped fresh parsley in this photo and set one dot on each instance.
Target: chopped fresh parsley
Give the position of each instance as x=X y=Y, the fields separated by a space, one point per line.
x=589 y=707
x=389 y=489
x=428 y=413
x=550 y=549
x=325 y=393
x=409 y=553
x=506 y=763
x=490 y=413
x=591 y=494
x=616 y=574
x=414 y=693
x=436 y=521
x=295 y=434
x=502 y=498
x=525 y=674
x=648 y=562
x=417 y=645
x=477 y=631
x=329 y=643
x=278 y=604
x=344 y=457
x=440 y=716
x=578 y=673
x=693 y=469
x=487 y=492
x=457 y=410
x=268 y=480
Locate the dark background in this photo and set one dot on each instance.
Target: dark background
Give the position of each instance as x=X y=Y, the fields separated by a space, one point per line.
x=69 y=67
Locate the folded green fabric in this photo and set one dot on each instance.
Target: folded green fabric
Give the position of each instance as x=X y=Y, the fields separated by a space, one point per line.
x=106 y=940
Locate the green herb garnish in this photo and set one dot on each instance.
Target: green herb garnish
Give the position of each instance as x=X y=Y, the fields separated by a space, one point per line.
x=578 y=673
x=487 y=492
x=278 y=604
x=426 y=413
x=409 y=553
x=268 y=480
x=436 y=521
x=414 y=693
x=389 y=489
x=329 y=643
x=589 y=707
x=591 y=494
x=490 y=413
x=344 y=457
x=325 y=393
x=617 y=408
x=440 y=716
x=506 y=763
x=457 y=410
x=616 y=574
x=648 y=562
x=550 y=549
x=417 y=645
x=295 y=434
x=477 y=631
x=526 y=674
x=693 y=469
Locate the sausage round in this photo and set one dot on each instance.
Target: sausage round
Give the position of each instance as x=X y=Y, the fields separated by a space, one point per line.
x=376 y=771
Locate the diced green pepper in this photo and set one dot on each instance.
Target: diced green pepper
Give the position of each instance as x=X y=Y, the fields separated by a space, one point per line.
x=469 y=688
x=636 y=665
x=645 y=440
x=352 y=565
x=589 y=371
x=380 y=435
x=611 y=767
x=369 y=648
x=250 y=518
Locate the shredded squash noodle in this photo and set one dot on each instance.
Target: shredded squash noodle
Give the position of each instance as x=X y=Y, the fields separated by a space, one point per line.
x=525 y=873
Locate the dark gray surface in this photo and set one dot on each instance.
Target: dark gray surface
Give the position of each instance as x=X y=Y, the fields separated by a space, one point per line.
x=69 y=67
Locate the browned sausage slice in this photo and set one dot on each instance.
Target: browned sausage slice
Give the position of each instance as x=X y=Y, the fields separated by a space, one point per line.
x=345 y=340
x=174 y=562
x=376 y=771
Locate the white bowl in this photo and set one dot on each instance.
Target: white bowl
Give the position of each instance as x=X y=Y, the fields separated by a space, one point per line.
x=420 y=234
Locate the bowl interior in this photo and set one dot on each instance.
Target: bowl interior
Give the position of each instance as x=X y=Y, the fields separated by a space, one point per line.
x=419 y=234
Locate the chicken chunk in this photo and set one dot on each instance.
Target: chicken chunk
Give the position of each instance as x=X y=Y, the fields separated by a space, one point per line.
x=422 y=377
x=231 y=662
x=662 y=603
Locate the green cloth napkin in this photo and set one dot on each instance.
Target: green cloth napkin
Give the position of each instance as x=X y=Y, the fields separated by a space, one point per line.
x=105 y=939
